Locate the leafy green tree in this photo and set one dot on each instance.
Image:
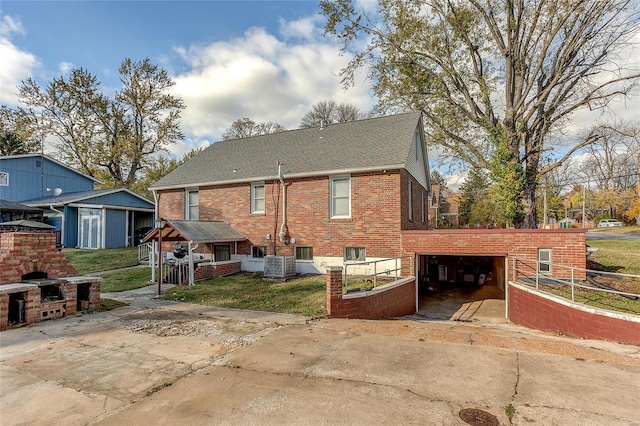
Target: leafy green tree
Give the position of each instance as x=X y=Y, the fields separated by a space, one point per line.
x=17 y=135
x=493 y=75
x=114 y=138
x=246 y=128
x=159 y=168
x=473 y=192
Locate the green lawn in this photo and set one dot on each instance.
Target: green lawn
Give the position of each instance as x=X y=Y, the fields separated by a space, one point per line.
x=621 y=256
x=127 y=279
x=304 y=296
x=87 y=261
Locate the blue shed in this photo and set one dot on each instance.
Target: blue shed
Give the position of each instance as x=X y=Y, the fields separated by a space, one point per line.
x=86 y=217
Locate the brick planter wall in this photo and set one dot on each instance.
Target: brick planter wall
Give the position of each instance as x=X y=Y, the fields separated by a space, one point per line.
x=25 y=252
x=213 y=270
x=394 y=300
x=533 y=309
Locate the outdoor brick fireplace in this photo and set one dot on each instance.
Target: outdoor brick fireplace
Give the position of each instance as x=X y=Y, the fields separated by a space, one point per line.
x=38 y=283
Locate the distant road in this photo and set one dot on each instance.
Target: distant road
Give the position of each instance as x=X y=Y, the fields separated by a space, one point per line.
x=600 y=235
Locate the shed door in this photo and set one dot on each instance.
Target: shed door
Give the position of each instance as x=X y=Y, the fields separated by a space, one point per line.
x=89 y=231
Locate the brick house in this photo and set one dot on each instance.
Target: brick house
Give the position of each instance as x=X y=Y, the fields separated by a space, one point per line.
x=322 y=196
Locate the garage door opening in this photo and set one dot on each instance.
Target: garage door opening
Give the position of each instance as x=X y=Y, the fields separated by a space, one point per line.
x=461 y=288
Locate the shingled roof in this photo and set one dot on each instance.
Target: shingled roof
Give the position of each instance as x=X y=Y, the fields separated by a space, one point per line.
x=371 y=144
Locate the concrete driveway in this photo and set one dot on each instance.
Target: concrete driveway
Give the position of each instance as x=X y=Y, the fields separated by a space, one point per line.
x=165 y=363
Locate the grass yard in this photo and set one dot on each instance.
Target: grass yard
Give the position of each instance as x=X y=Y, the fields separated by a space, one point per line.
x=622 y=256
x=128 y=279
x=88 y=261
x=304 y=296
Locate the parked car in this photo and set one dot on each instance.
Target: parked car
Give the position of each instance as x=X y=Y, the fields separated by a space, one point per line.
x=609 y=223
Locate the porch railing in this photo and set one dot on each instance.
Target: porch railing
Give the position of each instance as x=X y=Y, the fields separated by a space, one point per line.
x=364 y=276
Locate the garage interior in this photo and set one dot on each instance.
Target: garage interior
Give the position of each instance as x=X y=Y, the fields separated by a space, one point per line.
x=461 y=287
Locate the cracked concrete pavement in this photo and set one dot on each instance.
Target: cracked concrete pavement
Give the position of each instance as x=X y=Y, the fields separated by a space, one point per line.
x=164 y=363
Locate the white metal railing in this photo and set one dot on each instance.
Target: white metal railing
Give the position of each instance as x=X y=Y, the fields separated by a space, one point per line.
x=527 y=271
x=143 y=252
x=384 y=274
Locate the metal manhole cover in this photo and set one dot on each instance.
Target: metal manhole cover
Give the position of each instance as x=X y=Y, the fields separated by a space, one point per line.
x=476 y=417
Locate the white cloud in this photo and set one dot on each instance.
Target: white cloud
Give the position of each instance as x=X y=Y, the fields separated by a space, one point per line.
x=65 y=67
x=263 y=78
x=16 y=65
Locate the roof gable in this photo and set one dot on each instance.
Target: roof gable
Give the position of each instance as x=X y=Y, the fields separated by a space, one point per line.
x=370 y=144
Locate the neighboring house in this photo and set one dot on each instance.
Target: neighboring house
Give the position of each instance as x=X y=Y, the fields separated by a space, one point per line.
x=87 y=218
x=324 y=195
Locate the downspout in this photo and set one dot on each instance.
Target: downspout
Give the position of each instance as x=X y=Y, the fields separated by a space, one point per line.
x=282 y=233
x=61 y=226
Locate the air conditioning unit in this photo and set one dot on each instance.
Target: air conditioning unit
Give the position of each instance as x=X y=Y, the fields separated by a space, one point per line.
x=279 y=266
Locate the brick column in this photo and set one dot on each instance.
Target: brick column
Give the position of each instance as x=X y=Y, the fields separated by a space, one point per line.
x=32 y=306
x=334 y=287
x=70 y=293
x=4 y=311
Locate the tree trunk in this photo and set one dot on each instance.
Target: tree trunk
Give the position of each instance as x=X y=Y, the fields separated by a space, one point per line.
x=529 y=202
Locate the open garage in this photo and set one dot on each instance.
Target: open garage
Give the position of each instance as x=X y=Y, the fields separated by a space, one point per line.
x=461 y=287
x=462 y=274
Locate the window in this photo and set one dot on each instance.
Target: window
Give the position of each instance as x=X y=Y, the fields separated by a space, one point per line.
x=192 y=201
x=257 y=197
x=341 y=197
x=354 y=253
x=304 y=253
x=222 y=253
x=544 y=261
x=258 y=252
x=410 y=195
x=4 y=178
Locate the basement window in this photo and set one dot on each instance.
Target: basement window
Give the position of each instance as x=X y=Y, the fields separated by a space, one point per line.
x=304 y=253
x=222 y=253
x=258 y=252
x=354 y=253
x=544 y=261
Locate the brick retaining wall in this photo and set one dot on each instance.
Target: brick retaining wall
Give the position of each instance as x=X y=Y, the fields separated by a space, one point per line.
x=541 y=311
x=393 y=300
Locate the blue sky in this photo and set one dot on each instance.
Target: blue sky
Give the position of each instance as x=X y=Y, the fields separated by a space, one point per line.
x=266 y=60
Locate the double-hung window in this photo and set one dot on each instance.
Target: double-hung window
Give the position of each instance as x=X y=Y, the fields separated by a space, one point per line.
x=257 y=197
x=191 y=204
x=410 y=200
x=222 y=253
x=341 y=197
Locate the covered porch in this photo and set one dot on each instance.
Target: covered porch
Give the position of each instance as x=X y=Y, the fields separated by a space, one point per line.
x=186 y=251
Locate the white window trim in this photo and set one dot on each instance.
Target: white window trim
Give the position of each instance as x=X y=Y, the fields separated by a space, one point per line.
x=254 y=185
x=295 y=252
x=4 y=178
x=258 y=259
x=331 y=211
x=545 y=262
x=187 y=206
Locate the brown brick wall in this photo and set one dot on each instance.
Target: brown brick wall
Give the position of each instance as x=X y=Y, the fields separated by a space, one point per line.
x=25 y=252
x=206 y=272
x=568 y=245
x=376 y=215
x=392 y=302
x=531 y=310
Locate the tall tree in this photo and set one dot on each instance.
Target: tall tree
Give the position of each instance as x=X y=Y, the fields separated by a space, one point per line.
x=328 y=112
x=17 y=134
x=473 y=191
x=113 y=137
x=246 y=128
x=494 y=75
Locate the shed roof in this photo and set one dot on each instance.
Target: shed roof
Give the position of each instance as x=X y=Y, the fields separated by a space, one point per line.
x=196 y=231
x=82 y=196
x=371 y=144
